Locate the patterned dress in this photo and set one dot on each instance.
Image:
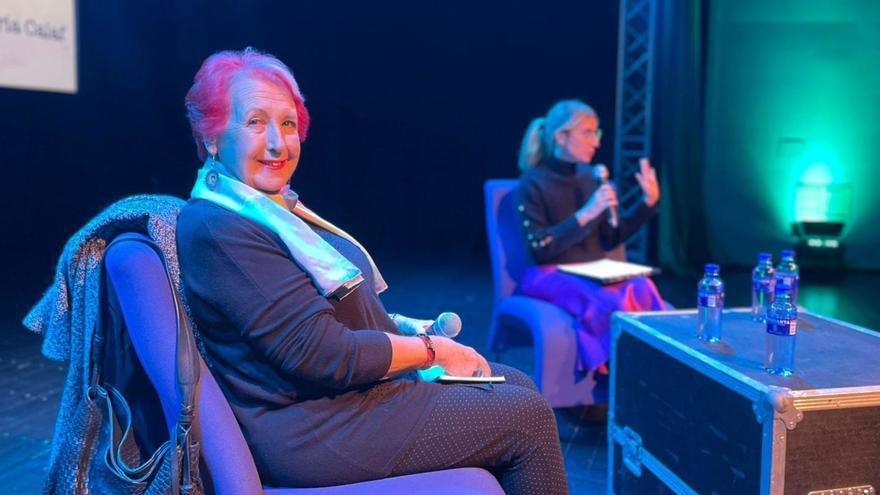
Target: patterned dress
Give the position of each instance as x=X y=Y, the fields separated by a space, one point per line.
x=549 y=195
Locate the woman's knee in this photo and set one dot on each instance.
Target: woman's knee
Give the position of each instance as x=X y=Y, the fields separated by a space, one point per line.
x=529 y=410
x=514 y=376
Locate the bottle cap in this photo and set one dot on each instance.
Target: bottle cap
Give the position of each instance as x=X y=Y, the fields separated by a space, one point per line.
x=712 y=268
x=788 y=253
x=765 y=257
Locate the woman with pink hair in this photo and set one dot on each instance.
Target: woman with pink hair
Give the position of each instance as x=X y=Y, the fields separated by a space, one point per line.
x=320 y=378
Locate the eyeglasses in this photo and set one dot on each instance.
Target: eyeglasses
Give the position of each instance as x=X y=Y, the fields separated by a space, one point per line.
x=590 y=132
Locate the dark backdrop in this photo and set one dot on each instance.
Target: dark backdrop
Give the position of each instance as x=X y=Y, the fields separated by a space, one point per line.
x=413 y=107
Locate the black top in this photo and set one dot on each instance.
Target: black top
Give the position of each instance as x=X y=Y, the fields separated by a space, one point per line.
x=549 y=196
x=301 y=372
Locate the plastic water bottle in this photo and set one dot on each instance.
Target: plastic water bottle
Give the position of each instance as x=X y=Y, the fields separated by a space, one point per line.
x=710 y=302
x=762 y=286
x=788 y=273
x=781 y=332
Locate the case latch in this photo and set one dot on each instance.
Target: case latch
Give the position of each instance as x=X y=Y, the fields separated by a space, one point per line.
x=778 y=403
x=631 y=444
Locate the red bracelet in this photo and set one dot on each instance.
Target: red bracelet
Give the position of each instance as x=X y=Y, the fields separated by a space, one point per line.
x=429 y=350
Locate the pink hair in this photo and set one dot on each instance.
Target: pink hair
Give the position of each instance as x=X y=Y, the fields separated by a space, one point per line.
x=208 y=101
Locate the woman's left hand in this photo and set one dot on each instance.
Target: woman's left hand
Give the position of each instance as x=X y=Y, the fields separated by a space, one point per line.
x=458 y=359
x=410 y=326
x=647 y=178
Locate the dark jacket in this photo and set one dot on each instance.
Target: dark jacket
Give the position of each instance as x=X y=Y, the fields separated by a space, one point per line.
x=301 y=372
x=549 y=195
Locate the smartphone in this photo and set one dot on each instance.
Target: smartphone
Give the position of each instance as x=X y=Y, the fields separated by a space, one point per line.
x=470 y=379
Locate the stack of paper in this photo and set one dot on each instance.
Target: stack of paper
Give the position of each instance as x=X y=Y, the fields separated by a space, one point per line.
x=609 y=271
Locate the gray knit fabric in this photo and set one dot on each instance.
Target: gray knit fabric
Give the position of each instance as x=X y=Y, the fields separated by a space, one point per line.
x=66 y=317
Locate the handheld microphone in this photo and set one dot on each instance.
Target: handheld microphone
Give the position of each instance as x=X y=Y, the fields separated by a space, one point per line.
x=601 y=173
x=446 y=325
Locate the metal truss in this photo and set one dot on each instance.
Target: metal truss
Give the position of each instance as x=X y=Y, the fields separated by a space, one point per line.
x=635 y=87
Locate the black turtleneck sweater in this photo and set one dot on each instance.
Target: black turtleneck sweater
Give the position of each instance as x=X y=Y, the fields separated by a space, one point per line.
x=549 y=196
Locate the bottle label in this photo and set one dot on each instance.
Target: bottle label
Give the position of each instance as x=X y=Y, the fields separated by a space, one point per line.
x=783 y=327
x=762 y=285
x=711 y=301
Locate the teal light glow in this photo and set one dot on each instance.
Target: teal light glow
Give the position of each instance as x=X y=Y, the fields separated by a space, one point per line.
x=818 y=199
x=793 y=89
x=818 y=173
x=823 y=203
x=820 y=298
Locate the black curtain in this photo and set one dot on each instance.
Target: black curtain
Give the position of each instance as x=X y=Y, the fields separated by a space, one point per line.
x=678 y=132
x=414 y=106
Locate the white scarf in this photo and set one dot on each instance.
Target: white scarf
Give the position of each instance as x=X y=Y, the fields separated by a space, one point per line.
x=332 y=274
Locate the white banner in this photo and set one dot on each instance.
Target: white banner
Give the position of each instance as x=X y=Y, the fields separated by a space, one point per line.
x=38 y=45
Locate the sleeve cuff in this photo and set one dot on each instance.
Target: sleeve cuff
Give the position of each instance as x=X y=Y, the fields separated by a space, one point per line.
x=374 y=355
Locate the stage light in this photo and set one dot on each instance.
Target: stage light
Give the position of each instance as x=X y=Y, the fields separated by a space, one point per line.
x=819 y=199
x=818 y=243
x=822 y=209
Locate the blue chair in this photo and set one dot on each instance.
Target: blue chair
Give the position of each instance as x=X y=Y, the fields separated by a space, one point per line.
x=144 y=295
x=522 y=321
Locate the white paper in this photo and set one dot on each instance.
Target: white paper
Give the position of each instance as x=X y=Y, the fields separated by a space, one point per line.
x=606 y=270
x=38 y=45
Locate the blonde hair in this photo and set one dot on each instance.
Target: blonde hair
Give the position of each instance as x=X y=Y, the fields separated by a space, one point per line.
x=540 y=138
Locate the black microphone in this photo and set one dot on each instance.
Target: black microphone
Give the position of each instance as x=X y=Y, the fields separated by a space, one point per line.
x=601 y=173
x=446 y=325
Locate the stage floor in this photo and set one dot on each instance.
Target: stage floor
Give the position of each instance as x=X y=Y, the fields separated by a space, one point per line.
x=30 y=385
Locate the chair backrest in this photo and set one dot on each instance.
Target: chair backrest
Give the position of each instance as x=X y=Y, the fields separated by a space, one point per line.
x=138 y=278
x=506 y=246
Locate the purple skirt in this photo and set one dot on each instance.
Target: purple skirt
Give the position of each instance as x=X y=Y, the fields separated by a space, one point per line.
x=591 y=305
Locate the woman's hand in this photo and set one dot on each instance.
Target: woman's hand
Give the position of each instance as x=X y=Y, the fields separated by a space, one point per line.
x=410 y=326
x=648 y=181
x=459 y=360
x=603 y=198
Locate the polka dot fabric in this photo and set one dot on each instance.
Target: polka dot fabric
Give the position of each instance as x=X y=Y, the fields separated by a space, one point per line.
x=508 y=429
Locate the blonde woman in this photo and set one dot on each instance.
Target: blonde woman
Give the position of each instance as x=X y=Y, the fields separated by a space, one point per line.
x=567 y=218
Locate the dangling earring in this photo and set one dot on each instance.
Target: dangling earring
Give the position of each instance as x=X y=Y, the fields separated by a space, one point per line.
x=211 y=178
